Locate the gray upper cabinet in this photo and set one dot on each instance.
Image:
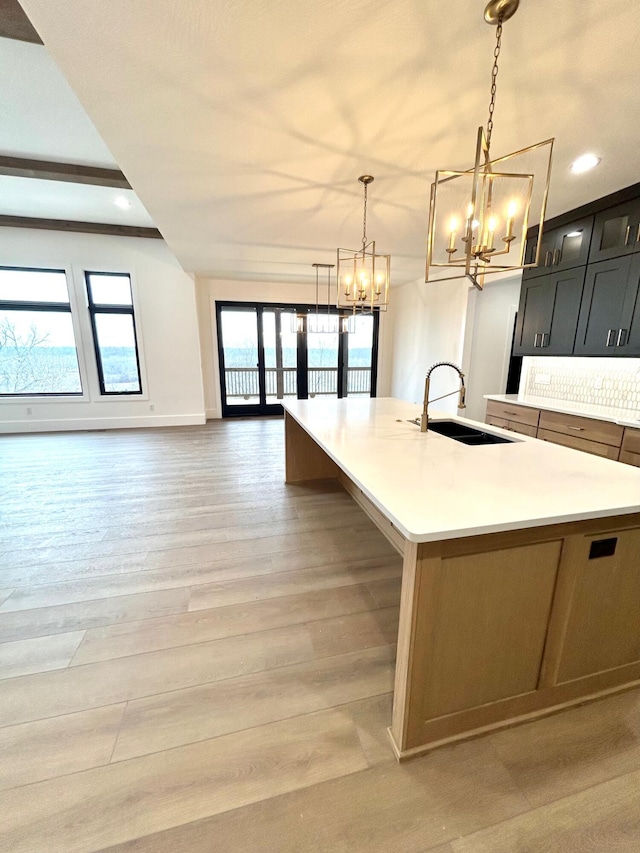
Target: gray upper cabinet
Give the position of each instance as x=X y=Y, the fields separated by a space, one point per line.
x=609 y=322
x=561 y=248
x=548 y=313
x=616 y=232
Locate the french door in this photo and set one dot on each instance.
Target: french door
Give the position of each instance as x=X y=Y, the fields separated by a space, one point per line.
x=267 y=353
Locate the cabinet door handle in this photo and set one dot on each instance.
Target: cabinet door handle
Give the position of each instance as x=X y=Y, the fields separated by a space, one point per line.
x=535 y=339
x=627 y=235
x=508 y=412
x=575 y=429
x=556 y=257
x=542 y=343
x=610 y=336
x=638 y=234
x=548 y=259
x=622 y=337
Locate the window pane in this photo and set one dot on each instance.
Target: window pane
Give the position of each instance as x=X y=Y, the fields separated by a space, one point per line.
x=110 y=289
x=322 y=352
x=360 y=343
x=240 y=344
x=38 y=353
x=117 y=345
x=33 y=286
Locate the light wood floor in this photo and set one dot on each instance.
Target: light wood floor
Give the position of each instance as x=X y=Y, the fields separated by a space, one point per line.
x=195 y=657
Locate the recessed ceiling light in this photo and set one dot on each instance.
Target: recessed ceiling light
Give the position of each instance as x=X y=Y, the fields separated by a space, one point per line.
x=122 y=202
x=584 y=163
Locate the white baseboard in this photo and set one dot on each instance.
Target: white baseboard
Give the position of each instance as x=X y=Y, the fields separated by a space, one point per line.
x=84 y=424
x=213 y=414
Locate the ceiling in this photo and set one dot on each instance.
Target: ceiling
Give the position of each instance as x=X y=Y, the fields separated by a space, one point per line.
x=42 y=119
x=243 y=126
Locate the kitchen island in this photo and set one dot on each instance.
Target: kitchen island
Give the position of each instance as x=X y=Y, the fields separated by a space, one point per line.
x=521 y=564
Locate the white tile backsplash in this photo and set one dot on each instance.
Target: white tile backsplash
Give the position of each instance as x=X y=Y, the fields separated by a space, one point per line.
x=611 y=382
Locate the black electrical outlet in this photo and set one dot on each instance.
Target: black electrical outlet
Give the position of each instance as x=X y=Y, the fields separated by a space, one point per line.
x=603 y=548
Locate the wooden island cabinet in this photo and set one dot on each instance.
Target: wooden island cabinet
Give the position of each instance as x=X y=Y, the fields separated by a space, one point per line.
x=517 y=600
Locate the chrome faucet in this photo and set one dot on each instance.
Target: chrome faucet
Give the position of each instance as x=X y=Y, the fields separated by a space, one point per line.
x=424 y=420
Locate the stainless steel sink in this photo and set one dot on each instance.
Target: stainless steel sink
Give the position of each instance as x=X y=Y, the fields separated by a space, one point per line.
x=465 y=434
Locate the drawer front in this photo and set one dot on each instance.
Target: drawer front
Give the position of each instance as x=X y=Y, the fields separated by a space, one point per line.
x=631 y=440
x=510 y=412
x=577 y=443
x=499 y=422
x=630 y=458
x=584 y=428
x=523 y=429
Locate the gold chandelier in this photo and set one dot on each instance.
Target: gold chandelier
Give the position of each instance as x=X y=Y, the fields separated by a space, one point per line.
x=362 y=274
x=478 y=219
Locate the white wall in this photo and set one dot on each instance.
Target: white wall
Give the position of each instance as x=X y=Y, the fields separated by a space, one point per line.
x=490 y=318
x=428 y=323
x=167 y=327
x=209 y=290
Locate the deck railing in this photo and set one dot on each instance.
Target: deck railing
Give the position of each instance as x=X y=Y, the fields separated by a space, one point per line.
x=242 y=382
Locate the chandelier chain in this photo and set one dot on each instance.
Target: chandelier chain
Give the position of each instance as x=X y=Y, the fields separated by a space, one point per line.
x=494 y=75
x=364 y=219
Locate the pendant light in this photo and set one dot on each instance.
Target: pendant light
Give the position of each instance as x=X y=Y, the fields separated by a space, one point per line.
x=362 y=274
x=478 y=219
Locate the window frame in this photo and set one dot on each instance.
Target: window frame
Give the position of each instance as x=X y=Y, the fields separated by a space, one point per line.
x=45 y=308
x=95 y=308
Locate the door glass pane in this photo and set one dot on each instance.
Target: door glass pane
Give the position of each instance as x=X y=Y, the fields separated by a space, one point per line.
x=614 y=232
x=571 y=245
x=359 y=350
x=117 y=347
x=38 y=353
x=240 y=346
x=322 y=353
x=280 y=356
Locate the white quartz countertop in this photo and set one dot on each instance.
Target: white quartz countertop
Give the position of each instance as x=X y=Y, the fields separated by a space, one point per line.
x=623 y=417
x=433 y=488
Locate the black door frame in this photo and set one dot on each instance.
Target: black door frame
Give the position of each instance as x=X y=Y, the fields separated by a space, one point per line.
x=264 y=408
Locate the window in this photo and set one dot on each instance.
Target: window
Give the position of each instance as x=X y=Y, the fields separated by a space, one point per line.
x=38 y=355
x=114 y=332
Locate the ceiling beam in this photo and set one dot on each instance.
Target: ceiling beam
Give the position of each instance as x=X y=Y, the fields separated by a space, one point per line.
x=45 y=170
x=14 y=23
x=70 y=226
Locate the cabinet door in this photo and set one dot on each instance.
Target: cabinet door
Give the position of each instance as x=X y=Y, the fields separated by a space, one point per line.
x=571 y=247
x=628 y=339
x=547 y=248
x=534 y=315
x=603 y=629
x=616 y=232
x=559 y=338
x=601 y=312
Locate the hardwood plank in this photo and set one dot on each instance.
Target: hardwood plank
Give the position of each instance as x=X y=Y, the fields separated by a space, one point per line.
x=407 y=808
x=603 y=818
x=39 y=654
x=185 y=716
x=129 y=583
x=20 y=624
x=77 y=688
x=317 y=539
x=288 y=583
x=577 y=749
x=359 y=631
x=32 y=752
x=104 y=806
x=386 y=592
x=91 y=685
x=203 y=625
x=372 y=718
